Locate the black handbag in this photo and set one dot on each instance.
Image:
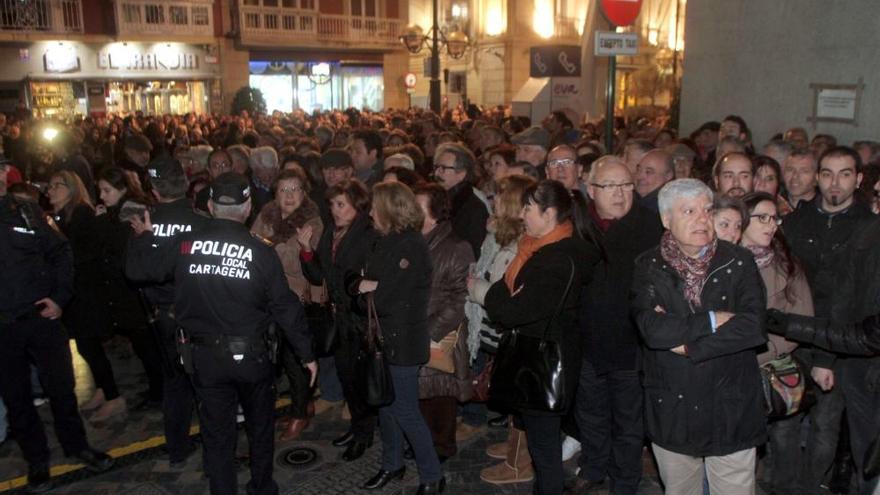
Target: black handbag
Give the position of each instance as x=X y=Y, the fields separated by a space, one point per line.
x=528 y=371
x=787 y=386
x=373 y=369
x=322 y=322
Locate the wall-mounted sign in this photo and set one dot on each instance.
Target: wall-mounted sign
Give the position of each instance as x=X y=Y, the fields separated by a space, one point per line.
x=836 y=103
x=409 y=80
x=126 y=57
x=609 y=43
x=555 y=61
x=60 y=58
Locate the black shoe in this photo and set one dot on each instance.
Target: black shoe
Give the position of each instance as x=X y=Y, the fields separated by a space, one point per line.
x=179 y=461
x=355 y=450
x=500 y=421
x=442 y=458
x=95 y=461
x=432 y=488
x=584 y=487
x=382 y=478
x=147 y=404
x=344 y=440
x=38 y=479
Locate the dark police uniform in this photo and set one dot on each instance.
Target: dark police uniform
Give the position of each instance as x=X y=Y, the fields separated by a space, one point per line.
x=169 y=220
x=229 y=287
x=36 y=263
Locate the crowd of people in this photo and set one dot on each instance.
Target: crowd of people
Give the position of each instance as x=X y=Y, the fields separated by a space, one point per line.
x=677 y=274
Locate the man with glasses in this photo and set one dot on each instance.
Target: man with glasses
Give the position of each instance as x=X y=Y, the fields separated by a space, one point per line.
x=37 y=267
x=219 y=162
x=817 y=232
x=563 y=166
x=454 y=170
x=609 y=398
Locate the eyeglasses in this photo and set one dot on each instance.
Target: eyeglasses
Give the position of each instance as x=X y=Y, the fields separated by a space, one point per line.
x=626 y=186
x=290 y=190
x=767 y=218
x=443 y=168
x=56 y=185
x=221 y=165
x=562 y=162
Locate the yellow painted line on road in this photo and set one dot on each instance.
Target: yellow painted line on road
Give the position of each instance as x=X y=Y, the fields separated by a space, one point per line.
x=116 y=453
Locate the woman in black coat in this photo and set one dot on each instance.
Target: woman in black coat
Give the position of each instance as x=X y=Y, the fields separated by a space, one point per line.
x=75 y=217
x=343 y=249
x=549 y=255
x=124 y=313
x=397 y=279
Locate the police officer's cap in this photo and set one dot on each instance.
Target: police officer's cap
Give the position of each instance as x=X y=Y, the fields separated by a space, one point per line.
x=165 y=168
x=230 y=188
x=335 y=158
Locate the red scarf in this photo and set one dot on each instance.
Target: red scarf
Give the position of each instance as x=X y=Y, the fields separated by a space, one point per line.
x=692 y=270
x=602 y=223
x=529 y=245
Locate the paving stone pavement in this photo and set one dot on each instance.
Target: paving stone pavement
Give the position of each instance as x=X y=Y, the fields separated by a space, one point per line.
x=147 y=472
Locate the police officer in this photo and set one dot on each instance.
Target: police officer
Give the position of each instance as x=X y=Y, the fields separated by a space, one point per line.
x=173 y=214
x=37 y=267
x=229 y=287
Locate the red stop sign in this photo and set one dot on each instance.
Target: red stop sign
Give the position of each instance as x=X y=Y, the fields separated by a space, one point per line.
x=621 y=12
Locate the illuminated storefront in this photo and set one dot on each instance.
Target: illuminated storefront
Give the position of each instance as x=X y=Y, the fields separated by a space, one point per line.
x=318 y=85
x=64 y=79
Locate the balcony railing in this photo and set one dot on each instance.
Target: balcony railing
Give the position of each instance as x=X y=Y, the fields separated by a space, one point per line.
x=41 y=16
x=165 y=18
x=308 y=27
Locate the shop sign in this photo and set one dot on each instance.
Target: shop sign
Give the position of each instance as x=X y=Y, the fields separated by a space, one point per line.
x=555 y=61
x=609 y=43
x=136 y=59
x=60 y=58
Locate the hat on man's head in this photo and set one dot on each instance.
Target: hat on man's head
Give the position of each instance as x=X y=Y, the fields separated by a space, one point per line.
x=230 y=188
x=165 y=168
x=335 y=158
x=535 y=135
x=138 y=142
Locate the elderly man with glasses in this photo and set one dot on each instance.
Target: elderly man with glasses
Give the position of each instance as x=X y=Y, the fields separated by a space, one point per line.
x=454 y=170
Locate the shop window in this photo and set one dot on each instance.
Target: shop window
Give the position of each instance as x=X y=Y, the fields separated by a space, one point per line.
x=131 y=13
x=155 y=14
x=178 y=15
x=201 y=16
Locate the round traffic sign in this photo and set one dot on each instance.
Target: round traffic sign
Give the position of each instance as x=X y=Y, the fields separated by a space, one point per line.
x=621 y=12
x=410 y=80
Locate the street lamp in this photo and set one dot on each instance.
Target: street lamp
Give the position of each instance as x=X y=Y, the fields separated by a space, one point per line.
x=414 y=39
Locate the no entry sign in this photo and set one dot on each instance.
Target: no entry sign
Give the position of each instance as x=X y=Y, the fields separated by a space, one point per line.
x=621 y=12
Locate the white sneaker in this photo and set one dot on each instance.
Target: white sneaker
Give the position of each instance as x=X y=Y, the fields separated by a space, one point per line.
x=239 y=416
x=570 y=447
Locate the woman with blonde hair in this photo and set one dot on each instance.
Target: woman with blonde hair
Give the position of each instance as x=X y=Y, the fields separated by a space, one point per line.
x=75 y=216
x=504 y=230
x=398 y=279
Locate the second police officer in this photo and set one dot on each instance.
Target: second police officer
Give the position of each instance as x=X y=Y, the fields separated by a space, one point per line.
x=229 y=288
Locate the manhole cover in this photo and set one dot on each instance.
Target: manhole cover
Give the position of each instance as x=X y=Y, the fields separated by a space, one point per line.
x=298 y=458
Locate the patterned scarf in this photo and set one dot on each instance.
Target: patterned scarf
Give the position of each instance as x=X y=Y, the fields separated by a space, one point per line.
x=692 y=270
x=763 y=255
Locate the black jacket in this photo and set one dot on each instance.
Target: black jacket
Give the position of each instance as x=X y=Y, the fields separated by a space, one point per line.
x=118 y=297
x=80 y=316
x=226 y=282
x=708 y=403
x=611 y=339
x=543 y=279
x=351 y=257
x=169 y=220
x=469 y=216
x=36 y=261
x=400 y=262
x=816 y=239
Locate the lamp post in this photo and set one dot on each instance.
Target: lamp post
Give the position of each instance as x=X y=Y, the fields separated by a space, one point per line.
x=456 y=43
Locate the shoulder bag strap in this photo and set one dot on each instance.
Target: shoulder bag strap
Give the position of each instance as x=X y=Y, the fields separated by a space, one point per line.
x=374 y=331
x=561 y=301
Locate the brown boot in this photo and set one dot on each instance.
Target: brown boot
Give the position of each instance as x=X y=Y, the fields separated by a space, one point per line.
x=95 y=402
x=516 y=468
x=294 y=429
x=499 y=450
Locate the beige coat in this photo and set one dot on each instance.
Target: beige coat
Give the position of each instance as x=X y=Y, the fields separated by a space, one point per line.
x=776 y=282
x=289 y=251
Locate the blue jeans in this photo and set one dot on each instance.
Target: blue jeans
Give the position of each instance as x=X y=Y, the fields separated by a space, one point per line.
x=328 y=380
x=4 y=425
x=403 y=417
